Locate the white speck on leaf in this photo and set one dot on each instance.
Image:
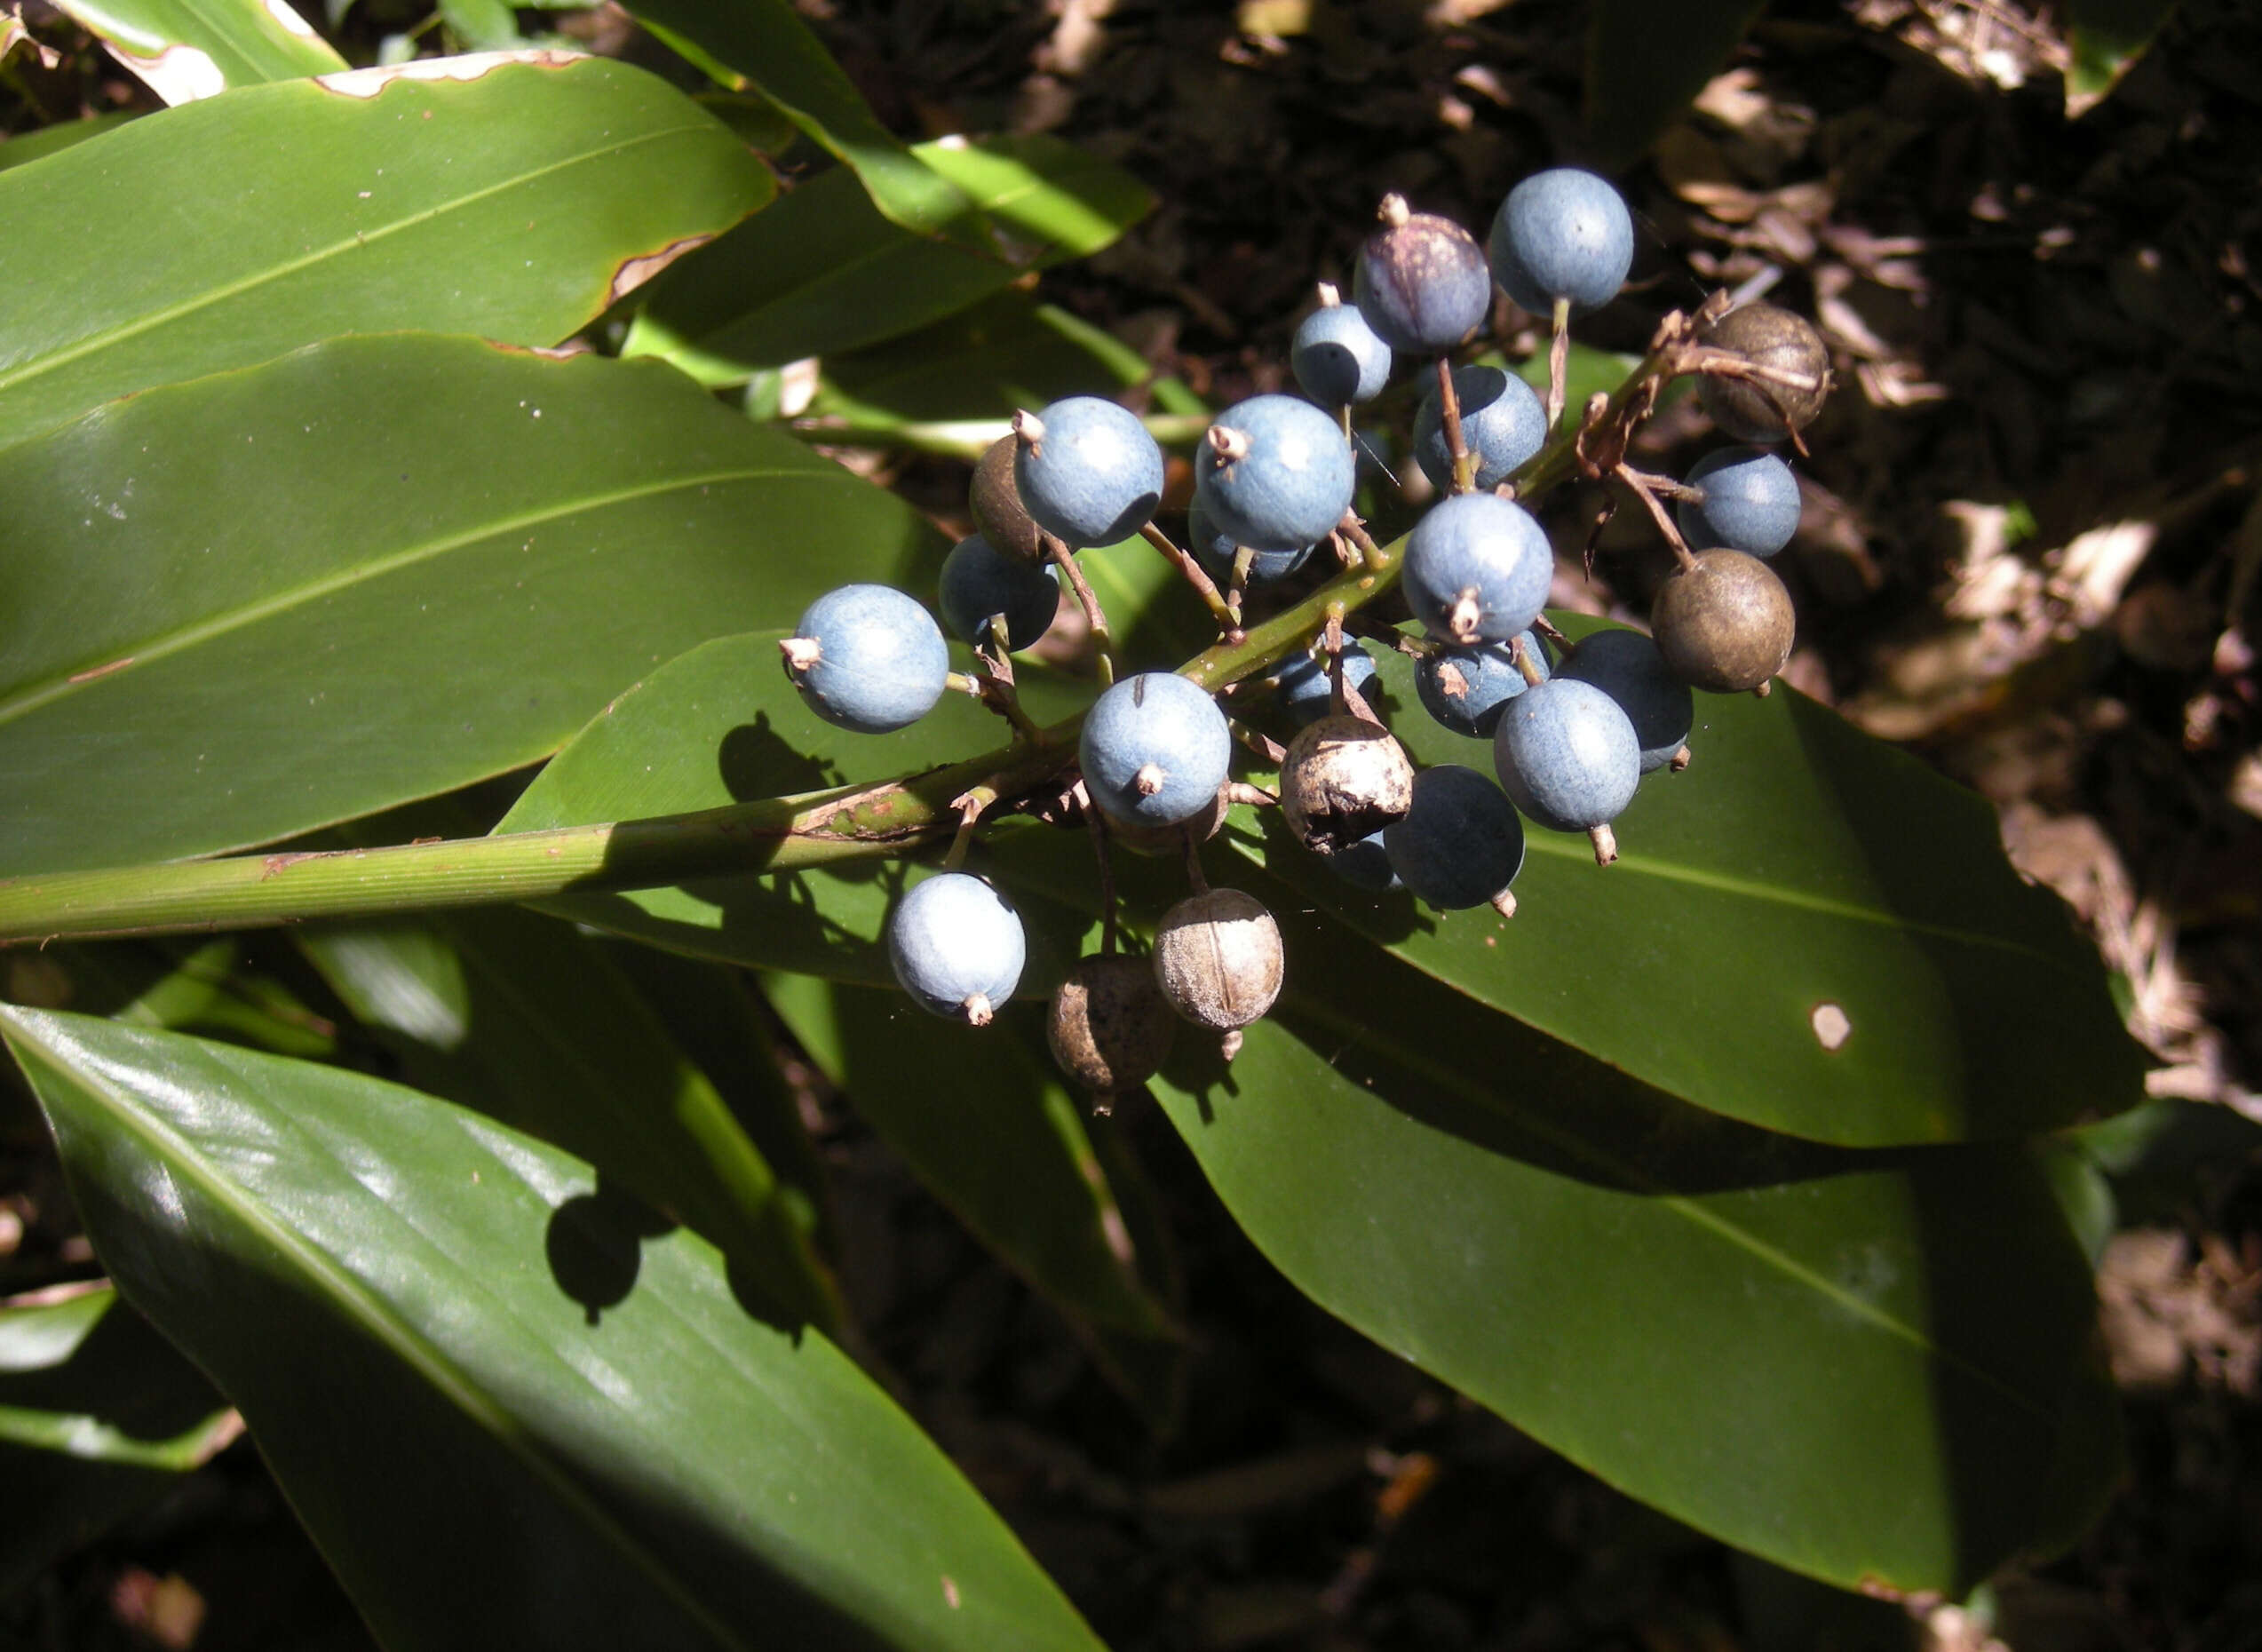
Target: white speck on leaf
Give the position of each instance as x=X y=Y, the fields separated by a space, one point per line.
x=1832 y=1026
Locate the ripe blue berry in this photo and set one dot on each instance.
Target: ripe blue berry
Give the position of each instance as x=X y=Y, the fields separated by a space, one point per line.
x=867 y=657
x=1502 y=422
x=1626 y=665
x=1461 y=844
x=1216 y=552
x=1421 y=281
x=1750 y=503
x=1477 y=569
x=1304 y=690
x=1335 y=355
x=1275 y=472
x=1466 y=688
x=1562 y=233
x=979 y=582
x=958 y=947
x=1155 y=749
x=1087 y=471
x=1568 y=757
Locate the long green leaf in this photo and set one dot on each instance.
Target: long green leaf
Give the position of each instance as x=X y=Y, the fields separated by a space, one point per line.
x=1869 y=1367
x=191 y=49
x=26 y=147
x=372 y=1276
x=1796 y=864
x=1006 y=352
x=526 y=1021
x=99 y=1416
x=824 y=271
x=376 y=570
x=513 y=198
x=763 y=44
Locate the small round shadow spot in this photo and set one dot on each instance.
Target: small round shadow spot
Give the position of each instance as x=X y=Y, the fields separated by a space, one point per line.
x=1832 y=1026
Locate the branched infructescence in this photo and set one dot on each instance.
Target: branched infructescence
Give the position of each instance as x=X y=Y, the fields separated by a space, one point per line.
x=1149 y=766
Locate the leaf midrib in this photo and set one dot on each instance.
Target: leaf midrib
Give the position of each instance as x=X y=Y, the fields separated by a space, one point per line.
x=363 y=1304
x=151 y=319
x=165 y=644
x=1689 y=1210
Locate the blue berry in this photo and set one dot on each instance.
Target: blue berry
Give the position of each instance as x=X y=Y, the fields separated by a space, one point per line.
x=1562 y=234
x=1502 y=422
x=1421 y=281
x=1568 y=757
x=867 y=657
x=1155 y=749
x=1275 y=472
x=1337 y=357
x=1477 y=569
x=1216 y=552
x=1626 y=665
x=1750 y=503
x=978 y=582
x=1461 y=844
x=1087 y=471
x=958 y=947
x=1366 y=864
x=1305 y=691
x=1464 y=688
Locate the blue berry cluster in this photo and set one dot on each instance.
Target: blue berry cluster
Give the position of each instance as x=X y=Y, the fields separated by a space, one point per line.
x=1573 y=730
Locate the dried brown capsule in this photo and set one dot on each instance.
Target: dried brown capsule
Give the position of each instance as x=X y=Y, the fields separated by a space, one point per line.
x=1722 y=621
x=1791 y=376
x=1111 y=1027
x=1217 y=959
x=995 y=503
x=1344 y=780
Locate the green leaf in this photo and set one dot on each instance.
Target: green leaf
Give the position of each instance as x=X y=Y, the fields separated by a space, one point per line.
x=723 y=724
x=823 y=271
x=208 y=987
x=981 y=1118
x=529 y=1022
x=38 y=146
x=987 y=362
x=360 y=1266
x=191 y=49
x=98 y=1417
x=1646 y=58
x=763 y=44
x=379 y=568
x=1796 y=864
x=2107 y=36
x=359 y=203
x=1869 y=1367
x=716 y=1019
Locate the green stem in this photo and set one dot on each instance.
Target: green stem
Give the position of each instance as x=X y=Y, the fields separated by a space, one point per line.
x=893 y=817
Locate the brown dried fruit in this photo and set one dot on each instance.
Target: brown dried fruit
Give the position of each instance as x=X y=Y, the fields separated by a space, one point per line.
x=1217 y=959
x=1786 y=348
x=1111 y=1027
x=995 y=502
x=1344 y=780
x=1723 y=621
